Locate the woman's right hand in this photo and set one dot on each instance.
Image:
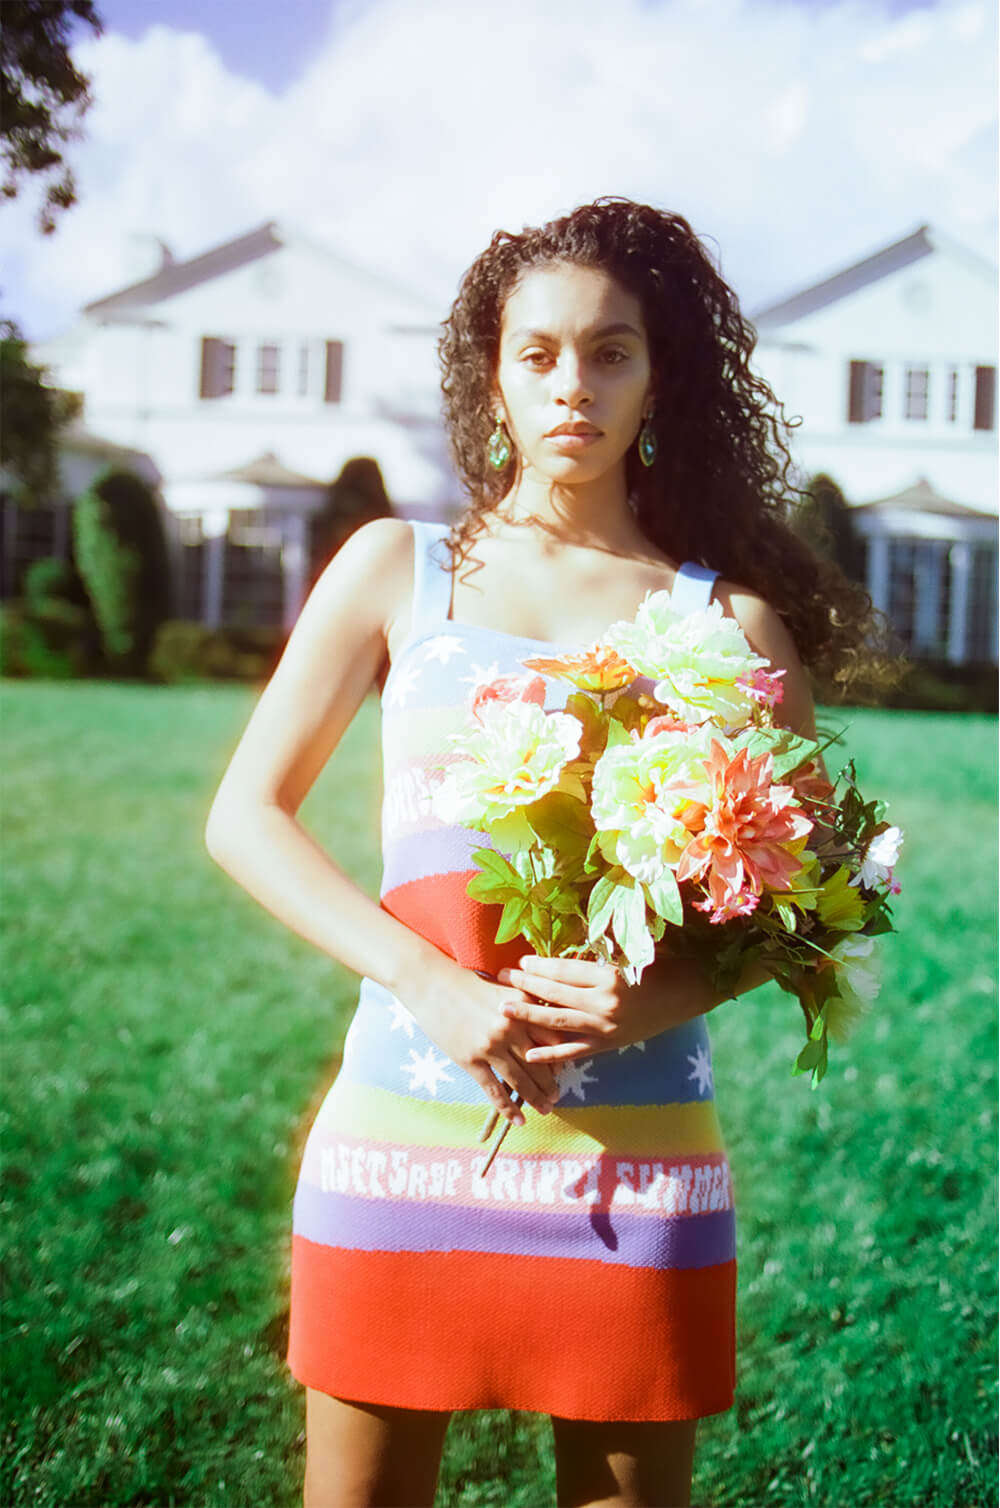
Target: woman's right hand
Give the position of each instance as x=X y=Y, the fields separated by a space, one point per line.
x=462 y=1012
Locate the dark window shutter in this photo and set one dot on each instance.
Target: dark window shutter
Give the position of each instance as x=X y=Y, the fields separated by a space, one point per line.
x=986 y=398
x=334 y=370
x=216 y=367
x=856 y=392
x=210 y=366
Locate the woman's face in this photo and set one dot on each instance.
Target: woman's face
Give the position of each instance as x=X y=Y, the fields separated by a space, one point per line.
x=573 y=352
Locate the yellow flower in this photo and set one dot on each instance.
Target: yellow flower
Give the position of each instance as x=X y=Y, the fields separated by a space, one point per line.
x=838 y=904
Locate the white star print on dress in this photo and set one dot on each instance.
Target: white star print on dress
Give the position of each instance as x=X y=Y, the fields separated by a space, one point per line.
x=481 y=674
x=401 y=1018
x=572 y=1077
x=403 y=683
x=443 y=647
x=702 y=1070
x=640 y=1045
x=427 y=1072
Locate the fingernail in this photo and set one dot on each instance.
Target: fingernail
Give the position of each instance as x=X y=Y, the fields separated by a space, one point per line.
x=504 y=976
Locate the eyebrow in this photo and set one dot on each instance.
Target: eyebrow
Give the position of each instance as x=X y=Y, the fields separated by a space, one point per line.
x=601 y=334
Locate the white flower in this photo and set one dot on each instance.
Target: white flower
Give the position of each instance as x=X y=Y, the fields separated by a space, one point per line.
x=880 y=857
x=514 y=754
x=696 y=659
x=640 y=792
x=858 y=984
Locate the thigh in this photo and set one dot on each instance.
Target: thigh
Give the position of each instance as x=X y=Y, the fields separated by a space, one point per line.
x=626 y=1463
x=364 y=1455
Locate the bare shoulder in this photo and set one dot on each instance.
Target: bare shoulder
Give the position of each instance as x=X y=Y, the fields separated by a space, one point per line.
x=767 y=633
x=762 y=625
x=373 y=570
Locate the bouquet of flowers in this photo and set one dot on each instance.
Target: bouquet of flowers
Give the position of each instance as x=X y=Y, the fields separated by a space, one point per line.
x=663 y=803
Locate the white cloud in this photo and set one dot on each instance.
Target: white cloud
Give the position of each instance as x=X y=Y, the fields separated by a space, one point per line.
x=793 y=138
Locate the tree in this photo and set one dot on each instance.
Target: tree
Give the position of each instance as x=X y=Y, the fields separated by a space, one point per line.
x=824 y=520
x=33 y=416
x=121 y=554
x=357 y=496
x=40 y=94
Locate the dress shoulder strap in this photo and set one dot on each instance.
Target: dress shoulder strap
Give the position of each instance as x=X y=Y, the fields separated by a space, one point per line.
x=693 y=587
x=431 y=576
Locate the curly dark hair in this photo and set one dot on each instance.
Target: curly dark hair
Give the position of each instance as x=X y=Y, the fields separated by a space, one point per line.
x=719 y=492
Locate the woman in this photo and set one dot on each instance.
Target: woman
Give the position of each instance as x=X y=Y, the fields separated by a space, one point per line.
x=613 y=441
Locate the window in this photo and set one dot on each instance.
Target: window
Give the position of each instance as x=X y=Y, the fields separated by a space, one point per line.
x=218 y=367
x=267 y=368
x=981 y=647
x=334 y=371
x=917 y=389
x=951 y=412
x=986 y=398
x=303 y=369
x=864 y=397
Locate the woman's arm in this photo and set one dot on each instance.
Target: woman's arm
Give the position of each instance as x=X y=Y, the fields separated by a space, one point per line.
x=358 y=609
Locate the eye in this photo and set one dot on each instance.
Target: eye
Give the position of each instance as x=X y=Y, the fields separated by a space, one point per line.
x=535 y=358
x=612 y=355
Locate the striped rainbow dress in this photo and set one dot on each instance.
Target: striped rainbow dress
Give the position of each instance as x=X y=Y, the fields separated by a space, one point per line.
x=592 y=1273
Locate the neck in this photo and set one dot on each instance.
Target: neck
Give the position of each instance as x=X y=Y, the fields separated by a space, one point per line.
x=593 y=513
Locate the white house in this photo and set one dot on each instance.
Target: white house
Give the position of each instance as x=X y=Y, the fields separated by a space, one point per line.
x=891 y=364
x=249 y=375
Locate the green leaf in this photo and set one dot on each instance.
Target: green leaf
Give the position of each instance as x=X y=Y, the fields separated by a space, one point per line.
x=809 y=1056
x=665 y=897
x=785 y=909
x=629 y=920
x=562 y=822
x=600 y=906
x=483 y=887
x=593 y=721
x=617 y=734
x=512 y=920
x=593 y=859
x=491 y=862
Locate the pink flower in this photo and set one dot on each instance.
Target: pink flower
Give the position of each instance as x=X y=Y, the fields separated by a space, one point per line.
x=764 y=686
x=509 y=688
x=665 y=724
x=743 y=835
x=740 y=904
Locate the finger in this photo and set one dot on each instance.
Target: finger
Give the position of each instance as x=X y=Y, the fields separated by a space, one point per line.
x=497 y=1093
x=558 y=1019
x=521 y=1079
x=542 y=1076
x=564 y=1052
x=579 y=971
x=555 y=990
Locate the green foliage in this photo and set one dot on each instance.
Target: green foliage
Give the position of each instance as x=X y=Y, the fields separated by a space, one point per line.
x=824 y=520
x=121 y=551
x=42 y=96
x=33 y=416
x=188 y=651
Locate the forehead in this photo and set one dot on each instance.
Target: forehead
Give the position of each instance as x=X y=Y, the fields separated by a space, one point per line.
x=566 y=299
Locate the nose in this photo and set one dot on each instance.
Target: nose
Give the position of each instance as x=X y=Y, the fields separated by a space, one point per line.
x=571 y=385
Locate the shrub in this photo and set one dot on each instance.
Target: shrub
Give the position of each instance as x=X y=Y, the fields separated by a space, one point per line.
x=187 y=651
x=121 y=551
x=51 y=644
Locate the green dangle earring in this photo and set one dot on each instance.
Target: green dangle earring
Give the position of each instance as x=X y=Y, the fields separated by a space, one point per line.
x=647 y=441
x=498 y=451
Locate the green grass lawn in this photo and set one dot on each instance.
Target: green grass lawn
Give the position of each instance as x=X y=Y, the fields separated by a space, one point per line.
x=167 y=1043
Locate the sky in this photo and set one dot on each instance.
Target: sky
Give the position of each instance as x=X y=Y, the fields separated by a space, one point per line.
x=796 y=136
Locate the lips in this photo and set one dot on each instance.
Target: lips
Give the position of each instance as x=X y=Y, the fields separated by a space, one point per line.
x=578 y=428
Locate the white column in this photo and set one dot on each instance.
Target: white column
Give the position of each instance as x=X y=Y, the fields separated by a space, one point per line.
x=293 y=567
x=960 y=566
x=211 y=598
x=878 y=571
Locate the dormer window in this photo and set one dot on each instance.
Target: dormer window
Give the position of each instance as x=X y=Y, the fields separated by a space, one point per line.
x=918 y=381
x=864 y=396
x=267 y=368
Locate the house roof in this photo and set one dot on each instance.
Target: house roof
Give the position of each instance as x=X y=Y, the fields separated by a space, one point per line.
x=922 y=497
x=267 y=471
x=921 y=242
x=177 y=276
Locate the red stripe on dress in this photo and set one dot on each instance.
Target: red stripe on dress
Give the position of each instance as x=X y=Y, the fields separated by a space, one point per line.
x=380 y=1327
x=438 y=908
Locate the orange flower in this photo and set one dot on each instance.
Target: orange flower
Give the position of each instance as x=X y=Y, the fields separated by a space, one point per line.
x=742 y=838
x=595 y=669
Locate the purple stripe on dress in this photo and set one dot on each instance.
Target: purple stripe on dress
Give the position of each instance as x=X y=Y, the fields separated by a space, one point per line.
x=333 y=1219
x=442 y=850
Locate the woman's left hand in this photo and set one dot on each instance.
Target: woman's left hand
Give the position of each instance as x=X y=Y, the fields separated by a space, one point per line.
x=592 y=1003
